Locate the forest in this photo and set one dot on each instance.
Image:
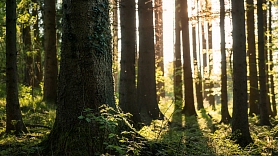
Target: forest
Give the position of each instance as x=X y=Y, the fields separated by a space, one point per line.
x=138 y=77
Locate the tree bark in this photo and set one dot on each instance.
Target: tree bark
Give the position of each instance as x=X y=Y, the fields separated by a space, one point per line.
x=264 y=118
x=224 y=95
x=85 y=79
x=158 y=12
x=254 y=90
x=272 y=85
x=146 y=88
x=177 y=117
x=50 y=54
x=240 y=126
x=37 y=44
x=115 y=45
x=13 y=113
x=198 y=86
x=189 y=108
x=127 y=90
x=28 y=74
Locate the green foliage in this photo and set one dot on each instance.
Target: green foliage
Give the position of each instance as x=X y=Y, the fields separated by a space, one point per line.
x=114 y=137
x=38 y=118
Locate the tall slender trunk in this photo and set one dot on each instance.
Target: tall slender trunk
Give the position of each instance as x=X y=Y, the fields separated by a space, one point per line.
x=50 y=58
x=158 y=12
x=211 y=82
x=127 y=88
x=37 y=48
x=264 y=118
x=189 y=108
x=272 y=86
x=240 y=126
x=115 y=45
x=146 y=91
x=28 y=74
x=224 y=95
x=13 y=113
x=205 y=63
x=177 y=65
x=266 y=60
x=198 y=85
x=254 y=92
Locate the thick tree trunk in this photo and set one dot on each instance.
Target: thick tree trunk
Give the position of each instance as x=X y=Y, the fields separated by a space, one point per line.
x=50 y=54
x=13 y=113
x=85 y=79
x=240 y=126
x=224 y=96
x=127 y=90
x=158 y=12
x=146 y=91
x=189 y=108
x=254 y=92
x=264 y=118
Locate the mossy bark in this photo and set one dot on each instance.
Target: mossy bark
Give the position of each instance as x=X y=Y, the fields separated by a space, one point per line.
x=85 y=79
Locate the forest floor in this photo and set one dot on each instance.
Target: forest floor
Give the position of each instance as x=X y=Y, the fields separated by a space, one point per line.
x=201 y=135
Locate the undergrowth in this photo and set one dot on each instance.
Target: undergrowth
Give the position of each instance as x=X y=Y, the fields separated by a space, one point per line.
x=201 y=135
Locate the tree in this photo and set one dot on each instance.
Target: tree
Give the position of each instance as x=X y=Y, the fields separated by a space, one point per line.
x=272 y=87
x=146 y=87
x=13 y=113
x=198 y=84
x=85 y=79
x=50 y=58
x=27 y=41
x=224 y=96
x=37 y=44
x=127 y=90
x=177 y=64
x=189 y=108
x=115 y=44
x=254 y=92
x=264 y=118
x=158 y=12
x=240 y=127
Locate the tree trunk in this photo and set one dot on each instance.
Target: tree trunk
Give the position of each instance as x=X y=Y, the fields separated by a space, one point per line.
x=115 y=44
x=224 y=96
x=37 y=44
x=146 y=91
x=189 y=108
x=13 y=113
x=50 y=54
x=28 y=75
x=177 y=117
x=264 y=118
x=210 y=81
x=127 y=90
x=159 y=49
x=205 y=63
x=198 y=86
x=254 y=92
x=85 y=79
x=272 y=86
x=266 y=59
x=240 y=126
